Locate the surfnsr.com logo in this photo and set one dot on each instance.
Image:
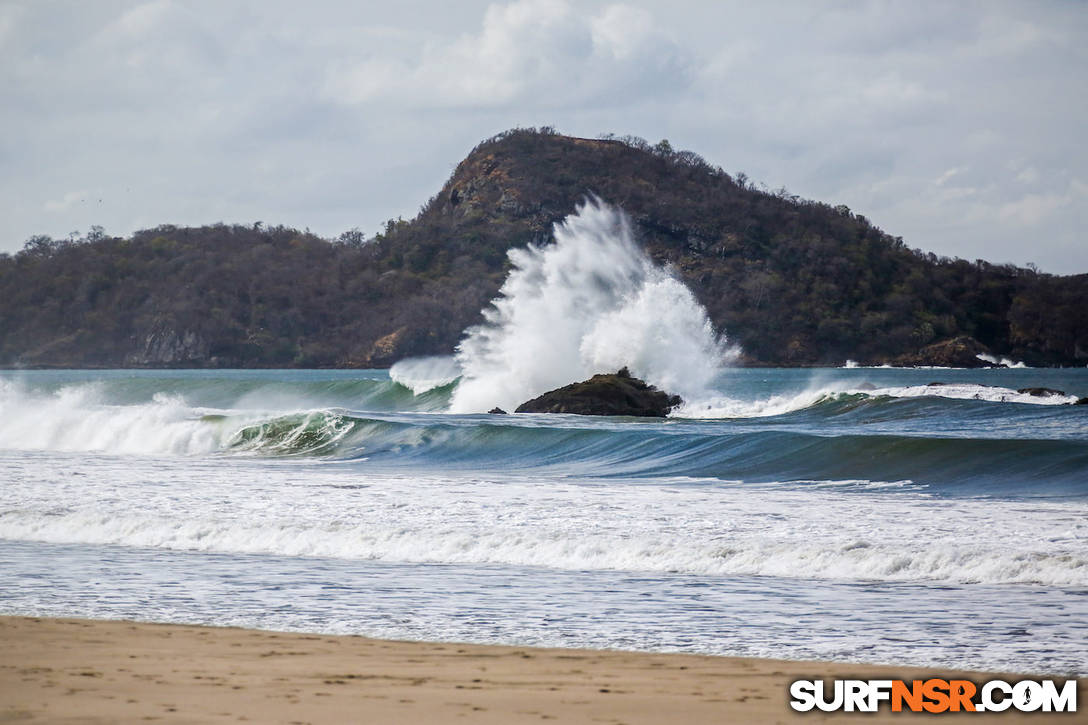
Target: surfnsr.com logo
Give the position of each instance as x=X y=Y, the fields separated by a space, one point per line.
x=934 y=696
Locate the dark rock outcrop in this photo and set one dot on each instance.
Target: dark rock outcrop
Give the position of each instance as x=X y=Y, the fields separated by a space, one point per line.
x=612 y=394
x=496 y=411
x=959 y=352
x=1041 y=392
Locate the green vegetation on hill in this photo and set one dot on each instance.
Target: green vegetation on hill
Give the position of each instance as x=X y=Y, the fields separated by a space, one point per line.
x=793 y=281
x=221 y=296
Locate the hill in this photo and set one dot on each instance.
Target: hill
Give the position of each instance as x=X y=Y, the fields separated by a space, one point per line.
x=795 y=282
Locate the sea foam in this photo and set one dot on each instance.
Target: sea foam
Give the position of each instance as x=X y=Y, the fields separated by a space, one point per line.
x=81 y=418
x=723 y=530
x=710 y=407
x=420 y=374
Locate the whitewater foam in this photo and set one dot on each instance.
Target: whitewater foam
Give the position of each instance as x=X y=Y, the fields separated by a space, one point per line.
x=420 y=374
x=79 y=418
x=592 y=302
x=723 y=530
x=974 y=391
x=712 y=407
x=718 y=406
x=1000 y=362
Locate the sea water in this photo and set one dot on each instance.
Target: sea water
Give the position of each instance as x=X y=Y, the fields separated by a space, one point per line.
x=840 y=514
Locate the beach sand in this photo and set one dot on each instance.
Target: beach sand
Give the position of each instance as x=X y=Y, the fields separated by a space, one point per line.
x=89 y=671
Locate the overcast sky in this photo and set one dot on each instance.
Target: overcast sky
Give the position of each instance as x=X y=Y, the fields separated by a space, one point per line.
x=958 y=126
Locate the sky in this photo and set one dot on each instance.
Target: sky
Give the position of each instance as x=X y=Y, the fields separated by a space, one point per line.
x=957 y=126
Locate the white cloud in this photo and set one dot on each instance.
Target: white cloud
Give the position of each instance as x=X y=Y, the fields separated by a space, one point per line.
x=621 y=31
x=158 y=42
x=9 y=16
x=947 y=175
x=540 y=52
x=891 y=91
x=66 y=202
x=1033 y=209
x=1002 y=35
x=141 y=19
x=1028 y=175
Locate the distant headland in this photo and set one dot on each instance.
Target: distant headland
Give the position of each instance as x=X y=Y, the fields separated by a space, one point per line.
x=793 y=282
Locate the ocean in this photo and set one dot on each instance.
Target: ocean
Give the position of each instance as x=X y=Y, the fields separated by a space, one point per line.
x=906 y=516
x=836 y=514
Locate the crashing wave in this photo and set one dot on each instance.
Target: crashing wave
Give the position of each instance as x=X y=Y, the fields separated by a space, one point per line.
x=1003 y=362
x=826 y=556
x=422 y=374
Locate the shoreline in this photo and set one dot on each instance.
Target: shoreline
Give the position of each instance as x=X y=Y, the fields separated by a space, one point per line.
x=91 y=671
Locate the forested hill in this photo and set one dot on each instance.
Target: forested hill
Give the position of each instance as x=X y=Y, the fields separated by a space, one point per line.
x=795 y=282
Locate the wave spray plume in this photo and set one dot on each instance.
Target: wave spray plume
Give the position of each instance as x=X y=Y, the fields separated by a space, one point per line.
x=593 y=302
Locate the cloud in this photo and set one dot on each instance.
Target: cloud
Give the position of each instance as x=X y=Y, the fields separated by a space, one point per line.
x=9 y=16
x=1028 y=175
x=160 y=42
x=1033 y=209
x=947 y=175
x=142 y=19
x=536 y=52
x=65 y=202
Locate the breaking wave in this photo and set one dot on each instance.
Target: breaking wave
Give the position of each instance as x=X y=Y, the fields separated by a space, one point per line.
x=545 y=542
x=1001 y=362
x=422 y=374
x=817 y=435
x=725 y=407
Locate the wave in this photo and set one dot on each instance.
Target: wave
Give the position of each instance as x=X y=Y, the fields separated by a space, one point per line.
x=544 y=544
x=726 y=407
x=1003 y=362
x=973 y=391
x=974 y=466
x=192 y=417
x=314 y=433
x=422 y=374
x=205 y=413
x=76 y=418
x=969 y=465
x=818 y=435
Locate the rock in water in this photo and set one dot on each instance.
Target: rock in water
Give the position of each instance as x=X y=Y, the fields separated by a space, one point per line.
x=960 y=352
x=612 y=394
x=1041 y=392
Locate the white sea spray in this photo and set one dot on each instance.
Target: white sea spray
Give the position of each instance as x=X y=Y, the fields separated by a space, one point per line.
x=592 y=302
x=420 y=374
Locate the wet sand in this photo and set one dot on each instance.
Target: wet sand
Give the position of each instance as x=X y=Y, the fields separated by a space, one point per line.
x=90 y=671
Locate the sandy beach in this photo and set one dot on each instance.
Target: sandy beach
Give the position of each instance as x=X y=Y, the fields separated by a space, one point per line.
x=89 y=671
